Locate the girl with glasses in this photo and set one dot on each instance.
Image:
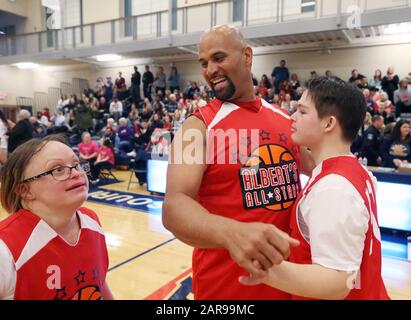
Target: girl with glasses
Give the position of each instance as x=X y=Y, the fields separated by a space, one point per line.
x=50 y=246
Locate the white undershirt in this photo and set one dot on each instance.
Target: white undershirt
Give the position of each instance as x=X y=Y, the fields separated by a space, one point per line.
x=7 y=273
x=334 y=220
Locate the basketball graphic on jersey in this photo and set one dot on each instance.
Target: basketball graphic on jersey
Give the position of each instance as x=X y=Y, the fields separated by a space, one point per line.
x=87 y=293
x=270 y=178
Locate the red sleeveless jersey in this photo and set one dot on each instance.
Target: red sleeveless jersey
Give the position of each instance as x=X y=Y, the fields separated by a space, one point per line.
x=47 y=267
x=370 y=284
x=258 y=182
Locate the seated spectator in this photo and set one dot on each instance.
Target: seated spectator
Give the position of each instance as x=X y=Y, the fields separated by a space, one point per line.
x=105 y=160
x=357 y=143
x=172 y=104
x=21 y=132
x=108 y=133
x=269 y=97
x=133 y=115
x=402 y=98
x=397 y=146
x=371 y=106
x=177 y=122
x=142 y=134
x=116 y=108
x=155 y=122
x=58 y=120
x=382 y=104
x=286 y=104
x=40 y=130
x=125 y=134
x=363 y=83
x=42 y=118
x=372 y=140
x=167 y=123
x=286 y=87
x=88 y=149
x=191 y=90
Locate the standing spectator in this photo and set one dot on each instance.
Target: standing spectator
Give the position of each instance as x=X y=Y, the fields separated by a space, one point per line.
x=116 y=108
x=280 y=74
x=376 y=80
x=295 y=83
x=329 y=75
x=21 y=132
x=390 y=83
x=108 y=89
x=174 y=80
x=120 y=83
x=5 y=127
x=356 y=77
x=372 y=140
x=148 y=80
x=135 y=85
x=402 y=98
x=255 y=81
x=83 y=117
x=160 y=81
x=397 y=146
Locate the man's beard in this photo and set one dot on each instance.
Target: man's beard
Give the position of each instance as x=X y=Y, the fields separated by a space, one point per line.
x=228 y=93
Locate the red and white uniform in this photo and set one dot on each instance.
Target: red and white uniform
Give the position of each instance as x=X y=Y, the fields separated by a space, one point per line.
x=335 y=219
x=37 y=264
x=238 y=190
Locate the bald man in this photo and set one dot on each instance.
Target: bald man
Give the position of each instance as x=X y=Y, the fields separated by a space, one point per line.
x=233 y=176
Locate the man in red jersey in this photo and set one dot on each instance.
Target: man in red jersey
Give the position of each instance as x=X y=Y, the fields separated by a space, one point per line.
x=335 y=216
x=233 y=177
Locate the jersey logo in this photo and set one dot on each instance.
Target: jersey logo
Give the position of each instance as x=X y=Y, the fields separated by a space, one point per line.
x=270 y=179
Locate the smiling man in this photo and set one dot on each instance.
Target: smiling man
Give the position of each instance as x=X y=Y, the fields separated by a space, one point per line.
x=233 y=201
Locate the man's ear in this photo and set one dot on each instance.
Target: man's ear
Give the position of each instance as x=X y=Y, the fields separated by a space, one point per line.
x=248 y=53
x=23 y=190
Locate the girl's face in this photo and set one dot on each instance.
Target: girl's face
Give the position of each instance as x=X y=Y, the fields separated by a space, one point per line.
x=405 y=130
x=49 y=192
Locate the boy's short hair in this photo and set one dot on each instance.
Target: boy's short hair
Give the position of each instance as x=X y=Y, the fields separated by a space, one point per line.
x=335 y=97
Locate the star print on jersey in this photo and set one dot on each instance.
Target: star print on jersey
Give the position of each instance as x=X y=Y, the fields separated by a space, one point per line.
x=60 y=294
x=80 y=278
x=265 y=135
x=283 y=138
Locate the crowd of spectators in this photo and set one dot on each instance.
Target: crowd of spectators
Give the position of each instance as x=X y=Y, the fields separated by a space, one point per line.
x=118 y=123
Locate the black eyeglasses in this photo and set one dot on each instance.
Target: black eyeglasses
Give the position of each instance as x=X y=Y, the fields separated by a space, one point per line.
x=61 y=173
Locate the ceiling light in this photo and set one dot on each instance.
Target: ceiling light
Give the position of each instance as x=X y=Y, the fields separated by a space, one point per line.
x=26 y=65
x=307 y=4
x=397 y=28
x=108 y=57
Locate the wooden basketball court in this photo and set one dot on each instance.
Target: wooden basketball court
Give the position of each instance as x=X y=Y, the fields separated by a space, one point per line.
x=147 y=262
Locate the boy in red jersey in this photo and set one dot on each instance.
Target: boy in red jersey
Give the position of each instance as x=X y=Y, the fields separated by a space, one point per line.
x=335 y=216
x=50 y=246
x=233 y=205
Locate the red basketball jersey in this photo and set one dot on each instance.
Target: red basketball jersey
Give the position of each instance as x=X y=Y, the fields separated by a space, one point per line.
x=258 y=182
x=47 y=267
x=370 y=284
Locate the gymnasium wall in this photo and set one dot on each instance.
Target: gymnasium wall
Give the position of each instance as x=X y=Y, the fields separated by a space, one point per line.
x=16 y=82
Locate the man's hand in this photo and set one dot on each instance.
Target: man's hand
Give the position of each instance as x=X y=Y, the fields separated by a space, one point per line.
x=252 y=243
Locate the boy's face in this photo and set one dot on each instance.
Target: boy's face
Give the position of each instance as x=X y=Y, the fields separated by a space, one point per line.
x=307 y=128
